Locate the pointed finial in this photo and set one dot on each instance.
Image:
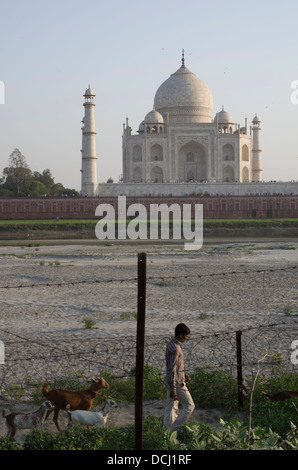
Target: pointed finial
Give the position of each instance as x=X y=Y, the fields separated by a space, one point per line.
x=183 y=57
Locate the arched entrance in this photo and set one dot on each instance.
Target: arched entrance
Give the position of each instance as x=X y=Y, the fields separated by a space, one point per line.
x=192 y=162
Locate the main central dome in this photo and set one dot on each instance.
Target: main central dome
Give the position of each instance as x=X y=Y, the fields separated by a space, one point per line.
x=185 y=97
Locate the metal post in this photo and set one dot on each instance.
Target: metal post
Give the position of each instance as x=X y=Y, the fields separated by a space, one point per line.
x=140 y=350
x=239 y=368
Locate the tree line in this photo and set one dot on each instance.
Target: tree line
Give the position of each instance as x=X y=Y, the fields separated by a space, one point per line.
x=18 y=180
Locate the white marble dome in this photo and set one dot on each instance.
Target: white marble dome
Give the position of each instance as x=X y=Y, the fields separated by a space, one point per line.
x=154 y=117
x=185 y=97
x=224 y=117
x=89 y=92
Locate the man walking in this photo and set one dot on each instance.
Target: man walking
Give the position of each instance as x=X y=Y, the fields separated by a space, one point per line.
x=176 y=380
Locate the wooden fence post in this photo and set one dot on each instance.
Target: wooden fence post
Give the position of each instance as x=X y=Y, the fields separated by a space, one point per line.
x=239 y=368
x=142 y=261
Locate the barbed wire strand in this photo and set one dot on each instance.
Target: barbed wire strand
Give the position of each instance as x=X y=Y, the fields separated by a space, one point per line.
x=150 y=278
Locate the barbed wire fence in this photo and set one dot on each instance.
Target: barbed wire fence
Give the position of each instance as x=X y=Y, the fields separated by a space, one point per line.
x=30 y=361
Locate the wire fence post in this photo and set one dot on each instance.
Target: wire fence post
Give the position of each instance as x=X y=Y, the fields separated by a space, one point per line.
x=239 y=368
x=142 y=258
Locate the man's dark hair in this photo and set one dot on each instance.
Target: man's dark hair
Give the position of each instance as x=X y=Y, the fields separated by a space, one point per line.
x=182 y=328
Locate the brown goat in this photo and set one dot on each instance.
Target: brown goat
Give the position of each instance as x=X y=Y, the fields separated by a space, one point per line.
x=280 y=396
x=77 y=400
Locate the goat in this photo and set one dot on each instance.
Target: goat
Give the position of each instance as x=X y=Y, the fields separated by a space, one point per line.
x=78 y=400
x=91 y=418
x=15 y=421
x=280 y=396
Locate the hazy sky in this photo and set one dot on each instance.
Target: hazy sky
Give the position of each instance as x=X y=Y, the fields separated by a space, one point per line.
x=247 y=53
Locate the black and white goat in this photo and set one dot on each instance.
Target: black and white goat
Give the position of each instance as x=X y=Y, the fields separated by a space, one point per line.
x=18 y=420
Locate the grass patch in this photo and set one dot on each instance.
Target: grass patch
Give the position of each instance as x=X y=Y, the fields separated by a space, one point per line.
x=131 y=315
x=231 y=436
x=79 y=224
x=89 y=322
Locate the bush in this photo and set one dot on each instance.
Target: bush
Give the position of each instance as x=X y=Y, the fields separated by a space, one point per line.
x=8 y=443
x=124 y=389
x=80 y=438
x=275 y=415
x=232 y=435
x=213 y=389
x=89 y=322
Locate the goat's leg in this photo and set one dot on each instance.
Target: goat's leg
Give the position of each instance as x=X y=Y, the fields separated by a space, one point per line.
x=55 y=418
x=48 y=413
x=70 y=423
x=11 y=431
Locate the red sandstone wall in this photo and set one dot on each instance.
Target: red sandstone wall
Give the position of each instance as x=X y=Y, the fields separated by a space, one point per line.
x=216 y=207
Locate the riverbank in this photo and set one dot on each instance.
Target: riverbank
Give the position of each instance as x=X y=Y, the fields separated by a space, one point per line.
x=72 y=229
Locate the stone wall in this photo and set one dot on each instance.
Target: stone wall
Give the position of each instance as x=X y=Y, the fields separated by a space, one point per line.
x=182 y=189
x=234 y=207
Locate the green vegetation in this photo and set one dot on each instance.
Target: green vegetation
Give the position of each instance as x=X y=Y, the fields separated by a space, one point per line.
x=89 y=322
x=231 y=436
x=130 y=315
x=18 y=180
x=288 y=310
x=80 y=224
x=273 y=427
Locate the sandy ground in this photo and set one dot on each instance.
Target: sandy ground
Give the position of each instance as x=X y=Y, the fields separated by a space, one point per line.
x=199 y=288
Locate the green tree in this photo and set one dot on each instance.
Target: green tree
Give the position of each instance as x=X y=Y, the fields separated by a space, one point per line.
x=19 y=180
x=36 y=188
x=17 y=173
x=45 y=178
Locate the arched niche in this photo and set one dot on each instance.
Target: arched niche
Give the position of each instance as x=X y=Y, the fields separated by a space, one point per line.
x=245 y=175
x=156 y=153
x=192 y=162
x=228 y=174
x=157 y=174
x=137 y=153
x=245 y=153
x=137 y=175
x=228 y=153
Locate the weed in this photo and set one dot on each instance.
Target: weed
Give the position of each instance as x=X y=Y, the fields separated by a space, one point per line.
x=89 y=322
x=132 y=315
x=203 y=316
x=287 y=310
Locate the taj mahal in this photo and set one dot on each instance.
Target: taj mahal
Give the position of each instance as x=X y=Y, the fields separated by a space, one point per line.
x=180 y=147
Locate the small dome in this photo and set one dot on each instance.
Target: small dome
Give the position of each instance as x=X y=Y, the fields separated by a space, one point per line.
x=224 y=117
x=89 y=92
x=256 y=119
x=141 y=127
x=153 y=117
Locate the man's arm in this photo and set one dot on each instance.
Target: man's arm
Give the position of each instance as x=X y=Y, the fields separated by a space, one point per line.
x=172 y=371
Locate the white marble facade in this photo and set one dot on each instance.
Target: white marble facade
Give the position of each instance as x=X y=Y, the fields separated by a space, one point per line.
x=181 y=141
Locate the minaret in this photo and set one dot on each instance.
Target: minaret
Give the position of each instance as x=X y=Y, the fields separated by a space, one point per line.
x=256 y=151
x=89 y=158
